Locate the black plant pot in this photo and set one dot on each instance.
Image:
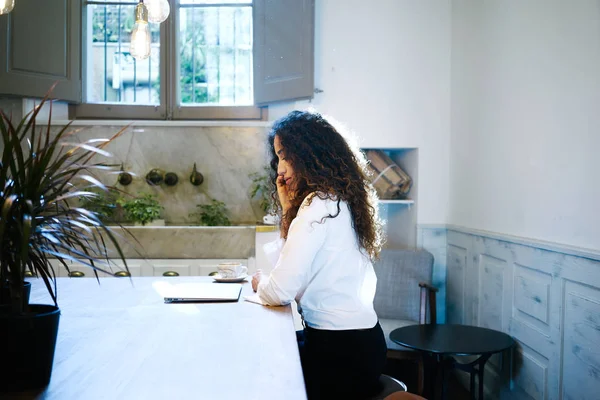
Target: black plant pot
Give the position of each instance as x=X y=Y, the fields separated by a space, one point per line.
x=27 y=344
x=5 y=294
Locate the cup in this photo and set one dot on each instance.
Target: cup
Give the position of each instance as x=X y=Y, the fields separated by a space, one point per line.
x=230 y=270
x=270 y=219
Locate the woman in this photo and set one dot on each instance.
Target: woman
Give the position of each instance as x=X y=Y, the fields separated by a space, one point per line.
x=330 y=232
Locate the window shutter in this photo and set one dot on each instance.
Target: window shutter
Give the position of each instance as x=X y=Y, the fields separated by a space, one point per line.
x=283 y=50
x=40 y=44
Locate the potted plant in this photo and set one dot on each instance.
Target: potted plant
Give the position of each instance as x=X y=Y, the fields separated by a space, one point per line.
x=213 y=214
x=261 y=188
x=103 y=202
x=143 y=210
x=40 y=173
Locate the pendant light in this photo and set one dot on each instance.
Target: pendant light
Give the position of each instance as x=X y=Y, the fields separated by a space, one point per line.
x=6 y=6
x=158 y=10
x=140 y=36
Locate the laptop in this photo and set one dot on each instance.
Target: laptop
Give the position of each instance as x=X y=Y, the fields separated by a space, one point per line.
x=202 y=292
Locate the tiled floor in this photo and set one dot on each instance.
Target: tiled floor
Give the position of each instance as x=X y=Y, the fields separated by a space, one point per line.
x=406 y=371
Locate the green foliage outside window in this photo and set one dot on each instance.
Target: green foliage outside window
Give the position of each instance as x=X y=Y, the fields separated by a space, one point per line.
x=108 y=20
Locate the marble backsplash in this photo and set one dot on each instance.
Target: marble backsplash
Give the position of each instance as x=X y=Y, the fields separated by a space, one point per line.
x=186 y=242
x=12 y=107
x=225 y=156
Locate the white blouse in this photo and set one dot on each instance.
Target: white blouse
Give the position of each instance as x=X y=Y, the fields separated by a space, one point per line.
x=322 y=267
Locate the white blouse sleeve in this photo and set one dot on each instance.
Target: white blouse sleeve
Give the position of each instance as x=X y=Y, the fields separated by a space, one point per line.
x=291 y=273
x=273 y=251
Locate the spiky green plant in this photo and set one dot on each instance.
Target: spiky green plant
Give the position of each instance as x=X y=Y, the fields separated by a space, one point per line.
x=39 y=174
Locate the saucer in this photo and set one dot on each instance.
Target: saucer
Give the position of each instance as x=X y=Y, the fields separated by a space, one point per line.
x=230 y=280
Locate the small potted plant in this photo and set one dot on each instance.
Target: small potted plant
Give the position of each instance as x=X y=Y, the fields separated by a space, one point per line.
x=213 y=214
x=40 y=175
x=143 y=210
x=103 y=203
x=261 y=189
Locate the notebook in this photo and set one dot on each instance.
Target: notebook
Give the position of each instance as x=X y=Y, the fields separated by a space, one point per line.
x=199 y=292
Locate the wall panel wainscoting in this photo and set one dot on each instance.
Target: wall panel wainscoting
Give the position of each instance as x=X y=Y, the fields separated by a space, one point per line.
x=546 y=296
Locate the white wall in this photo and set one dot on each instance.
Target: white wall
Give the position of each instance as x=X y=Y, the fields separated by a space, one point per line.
x=384 y=68
x=525 y=119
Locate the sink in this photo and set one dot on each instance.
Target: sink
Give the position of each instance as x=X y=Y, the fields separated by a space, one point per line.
x=183 y=241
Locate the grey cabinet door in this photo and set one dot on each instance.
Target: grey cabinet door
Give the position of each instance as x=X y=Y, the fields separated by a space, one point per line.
x=283 y=50
x=40 y=44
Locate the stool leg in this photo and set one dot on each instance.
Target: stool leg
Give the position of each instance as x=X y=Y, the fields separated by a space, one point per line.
x=420 y=375
x=480 y=373
x=443 y=373
x=472 y=386
x=433 y=375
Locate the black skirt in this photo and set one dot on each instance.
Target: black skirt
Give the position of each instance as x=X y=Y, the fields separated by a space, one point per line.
x=342 y=364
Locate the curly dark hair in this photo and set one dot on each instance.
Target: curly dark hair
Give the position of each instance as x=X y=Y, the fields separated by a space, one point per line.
x=324 y=163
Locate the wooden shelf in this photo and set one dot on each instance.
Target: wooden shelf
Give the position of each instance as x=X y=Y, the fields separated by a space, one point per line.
x=397 y=202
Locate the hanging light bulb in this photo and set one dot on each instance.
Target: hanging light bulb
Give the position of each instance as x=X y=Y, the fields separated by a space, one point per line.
x=6 y=6
x=158 y=10
x=140 y=36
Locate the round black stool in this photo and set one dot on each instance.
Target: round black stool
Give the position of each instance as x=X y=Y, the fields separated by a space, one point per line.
x=389 y=385
x=440 y=343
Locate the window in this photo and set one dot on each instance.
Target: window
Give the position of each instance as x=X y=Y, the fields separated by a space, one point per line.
x=210 y=69
x=215 y=53
x=211 y=59
x=112 y=75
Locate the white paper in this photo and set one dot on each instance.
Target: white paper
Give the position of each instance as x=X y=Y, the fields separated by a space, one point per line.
x=254 y=299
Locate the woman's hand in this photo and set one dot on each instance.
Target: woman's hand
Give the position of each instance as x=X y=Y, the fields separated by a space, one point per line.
x=256 y=279
x=283 y=193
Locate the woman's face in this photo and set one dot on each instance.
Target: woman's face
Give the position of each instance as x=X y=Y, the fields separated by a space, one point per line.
x=284 y=168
